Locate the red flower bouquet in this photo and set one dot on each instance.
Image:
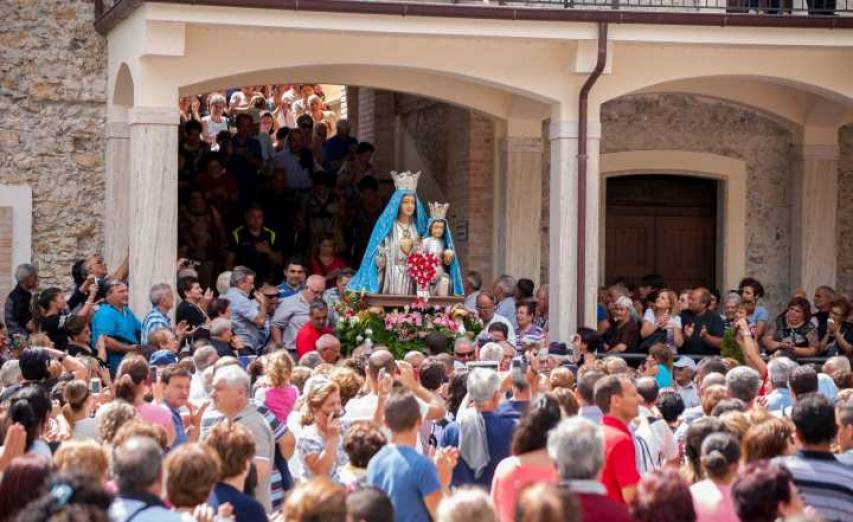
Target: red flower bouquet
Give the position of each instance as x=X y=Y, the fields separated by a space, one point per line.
x=422 y=268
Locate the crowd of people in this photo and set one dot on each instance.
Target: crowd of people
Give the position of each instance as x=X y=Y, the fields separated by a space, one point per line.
x=237 y=403
x=268 y=173
x=231 y=398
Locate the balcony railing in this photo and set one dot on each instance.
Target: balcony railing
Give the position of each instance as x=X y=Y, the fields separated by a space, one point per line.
x=778 y=13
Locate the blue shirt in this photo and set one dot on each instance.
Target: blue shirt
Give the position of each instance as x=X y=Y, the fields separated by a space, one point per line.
x=760 y=314
x=513 y=409
x=121 y=325
x=337 y=147
x=155 y=320
x=407 y=477
x=243 y=312
x=600 y=313
x=180 y=431
x=246 y=508
x=286 y=291
x=664 y=377
x=779 y=399
x=499 y=430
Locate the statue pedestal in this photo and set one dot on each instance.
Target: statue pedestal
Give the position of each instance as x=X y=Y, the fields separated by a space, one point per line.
x=399 y=301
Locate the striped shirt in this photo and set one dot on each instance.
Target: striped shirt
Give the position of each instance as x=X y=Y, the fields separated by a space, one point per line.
x=824 y=483
x=212 y=417
x=155 y=320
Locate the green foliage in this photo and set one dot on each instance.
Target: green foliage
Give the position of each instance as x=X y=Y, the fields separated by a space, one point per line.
x=730 y=347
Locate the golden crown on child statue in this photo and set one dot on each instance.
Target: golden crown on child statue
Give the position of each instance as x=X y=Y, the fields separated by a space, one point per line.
x=438 y=210
x=407 y=180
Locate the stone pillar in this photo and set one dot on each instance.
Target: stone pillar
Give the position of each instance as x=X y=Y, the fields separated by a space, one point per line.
x=153 y=220
x=562 y=264
x=814 y=222
x=520 y=185
x=117 y=204
x=562 y=233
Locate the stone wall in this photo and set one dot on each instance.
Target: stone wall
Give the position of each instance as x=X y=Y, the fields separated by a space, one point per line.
x=699 y=124
x=845 y=211
x=52 y=115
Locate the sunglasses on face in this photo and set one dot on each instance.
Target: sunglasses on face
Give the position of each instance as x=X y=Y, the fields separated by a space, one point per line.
x=465 y=355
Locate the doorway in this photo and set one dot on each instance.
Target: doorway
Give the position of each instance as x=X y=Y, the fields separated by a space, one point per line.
x=661 y=224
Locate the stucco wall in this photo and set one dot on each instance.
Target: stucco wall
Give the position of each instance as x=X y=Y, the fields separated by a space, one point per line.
x=695 y=123
x=845 y=211
x=52 y=114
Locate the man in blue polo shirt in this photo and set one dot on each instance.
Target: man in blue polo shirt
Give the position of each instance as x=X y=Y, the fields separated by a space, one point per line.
x=116 y=323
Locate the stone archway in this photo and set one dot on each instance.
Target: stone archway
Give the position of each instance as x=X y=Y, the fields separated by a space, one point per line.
x=731 y=257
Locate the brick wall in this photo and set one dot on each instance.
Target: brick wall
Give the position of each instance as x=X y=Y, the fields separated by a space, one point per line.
x=845 y=211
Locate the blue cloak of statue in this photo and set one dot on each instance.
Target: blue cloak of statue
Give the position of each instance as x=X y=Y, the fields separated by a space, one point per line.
x=455 y=271
x=367 y=277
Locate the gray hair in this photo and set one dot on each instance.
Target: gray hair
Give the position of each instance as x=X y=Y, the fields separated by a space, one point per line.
x=240 y=274
x=137 y=464
x=743 y=383
x=234 y=377
x=24 y=271
x=461 y=341
x=10 y=373
x=342 y=125
x=223 y=282
x=779 y=369
x=311 y=360
x=466 y=504
x=217 y=99
x=326 y=341
x=158 y=292
x=577 y=446
x=506 y=283
x=492 y=352
x=483 y=384
x=838 y=363
x=732 y=297
x=205 y=357
x=219 y=325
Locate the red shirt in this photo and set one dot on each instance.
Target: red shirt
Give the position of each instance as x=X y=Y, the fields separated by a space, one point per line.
x=307 y=337
x=620 y=465
x=601 y=508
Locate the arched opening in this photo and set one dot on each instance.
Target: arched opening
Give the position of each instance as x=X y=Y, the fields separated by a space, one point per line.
x=453 y=146
x=661 y=224
x=123 y=90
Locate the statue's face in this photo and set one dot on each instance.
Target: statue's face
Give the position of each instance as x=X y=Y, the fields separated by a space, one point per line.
x=407 y=206
x=437 y=229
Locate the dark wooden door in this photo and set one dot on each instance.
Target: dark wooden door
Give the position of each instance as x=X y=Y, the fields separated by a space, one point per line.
x=664 y=225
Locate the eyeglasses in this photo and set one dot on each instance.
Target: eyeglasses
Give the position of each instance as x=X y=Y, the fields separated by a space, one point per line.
x=465 y=355
x=271 y=296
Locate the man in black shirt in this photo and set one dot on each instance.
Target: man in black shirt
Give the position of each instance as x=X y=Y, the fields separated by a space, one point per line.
x=703 y=329
x=823 y=298
x=255 y=246
x=18 y=309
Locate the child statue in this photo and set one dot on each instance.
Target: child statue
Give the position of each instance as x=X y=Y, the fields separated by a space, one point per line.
x=448 y=276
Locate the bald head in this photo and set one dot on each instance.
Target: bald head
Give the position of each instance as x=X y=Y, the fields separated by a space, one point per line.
x=329 y=348
x=381 y=360
x=316 y=283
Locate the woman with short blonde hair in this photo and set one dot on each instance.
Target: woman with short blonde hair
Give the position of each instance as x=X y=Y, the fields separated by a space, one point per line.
x=82 y=456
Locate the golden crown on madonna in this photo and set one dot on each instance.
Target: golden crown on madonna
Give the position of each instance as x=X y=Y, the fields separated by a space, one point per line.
x=438 y=210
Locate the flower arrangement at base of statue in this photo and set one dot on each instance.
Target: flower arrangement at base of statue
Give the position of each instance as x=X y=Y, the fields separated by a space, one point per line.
x=401 y=330
x=422 y=268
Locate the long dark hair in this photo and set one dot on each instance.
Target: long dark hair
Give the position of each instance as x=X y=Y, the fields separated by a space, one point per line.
x=531 y=433
x=30 y=407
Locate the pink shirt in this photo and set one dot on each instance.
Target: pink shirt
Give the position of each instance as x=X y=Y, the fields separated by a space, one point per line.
x=280 y=401
x=713 y=503
x=155 y=414
x=511 y=476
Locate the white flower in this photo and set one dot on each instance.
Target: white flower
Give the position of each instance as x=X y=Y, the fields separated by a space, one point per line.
x=359 y=338
x=368 y=332
x=353 y=320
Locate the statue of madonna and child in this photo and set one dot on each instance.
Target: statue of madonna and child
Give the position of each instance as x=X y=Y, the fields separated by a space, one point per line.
x=402 y=229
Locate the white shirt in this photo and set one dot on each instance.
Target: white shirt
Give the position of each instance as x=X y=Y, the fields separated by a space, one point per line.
x=654 y=441
x=362 y=408
x=497 y=318
x=649 y=317
x=689 y=395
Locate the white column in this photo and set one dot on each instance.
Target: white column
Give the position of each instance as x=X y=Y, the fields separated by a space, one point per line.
x=153 y=220
x=562 y=230
x=117 y=205
x=520 y=171
x=563 y=237
x=813 y=217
